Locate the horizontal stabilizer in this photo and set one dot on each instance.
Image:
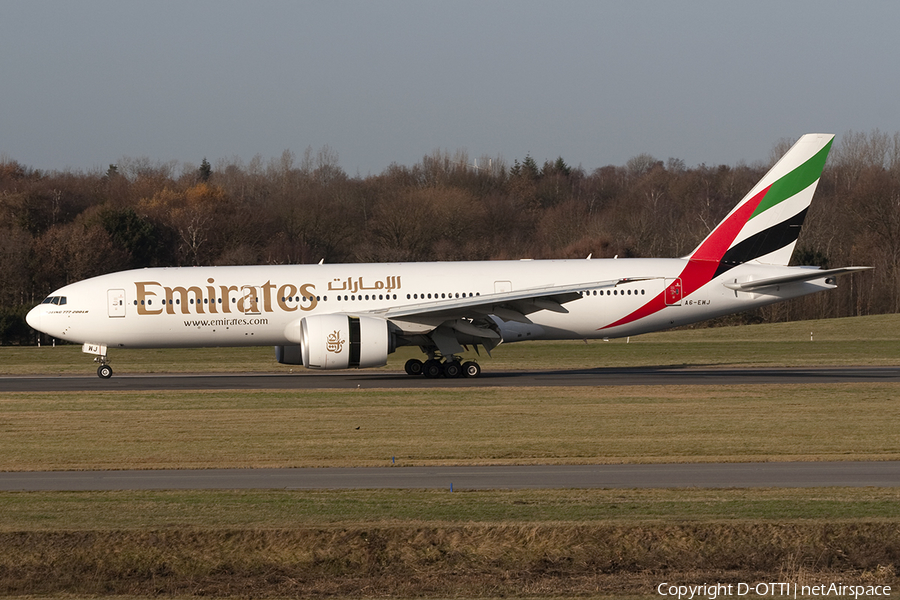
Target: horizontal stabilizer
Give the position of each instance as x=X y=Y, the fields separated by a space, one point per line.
x=803 y=275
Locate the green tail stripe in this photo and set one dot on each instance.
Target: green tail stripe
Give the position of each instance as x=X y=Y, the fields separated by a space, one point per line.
x=794 y=182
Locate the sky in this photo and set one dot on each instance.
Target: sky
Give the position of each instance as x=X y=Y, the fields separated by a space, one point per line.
x=86 y=84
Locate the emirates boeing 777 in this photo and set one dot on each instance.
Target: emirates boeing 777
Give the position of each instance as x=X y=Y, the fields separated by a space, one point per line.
x=343 y=316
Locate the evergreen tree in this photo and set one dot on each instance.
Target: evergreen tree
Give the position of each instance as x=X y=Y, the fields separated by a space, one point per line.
x=205 y=170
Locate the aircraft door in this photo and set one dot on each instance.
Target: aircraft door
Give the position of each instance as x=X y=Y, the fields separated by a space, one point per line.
x=502 y=286
x=673 y=292
x=116 y=303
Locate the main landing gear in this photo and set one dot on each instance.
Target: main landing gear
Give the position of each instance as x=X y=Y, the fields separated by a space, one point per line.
x=450 y=368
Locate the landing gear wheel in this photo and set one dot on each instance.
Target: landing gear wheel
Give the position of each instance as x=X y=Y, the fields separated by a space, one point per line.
x=471 y=369
x=104 y=371
x=452 y=369
x=413 y=367
x=432 y=369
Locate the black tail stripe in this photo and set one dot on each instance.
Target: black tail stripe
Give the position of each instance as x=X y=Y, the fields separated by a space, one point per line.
x=772 y=239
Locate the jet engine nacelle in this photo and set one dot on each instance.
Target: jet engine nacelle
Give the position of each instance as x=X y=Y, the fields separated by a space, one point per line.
x=340 y=341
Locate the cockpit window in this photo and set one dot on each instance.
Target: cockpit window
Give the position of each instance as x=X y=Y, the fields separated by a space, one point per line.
x=58 y=300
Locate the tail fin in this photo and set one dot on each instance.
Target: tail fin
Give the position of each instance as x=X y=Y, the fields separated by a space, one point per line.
x=765 y=225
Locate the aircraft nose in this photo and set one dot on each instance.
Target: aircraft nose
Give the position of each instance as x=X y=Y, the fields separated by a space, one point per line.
x=33 y=318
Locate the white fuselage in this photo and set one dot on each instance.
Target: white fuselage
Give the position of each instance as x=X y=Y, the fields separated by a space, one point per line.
x=252 y=305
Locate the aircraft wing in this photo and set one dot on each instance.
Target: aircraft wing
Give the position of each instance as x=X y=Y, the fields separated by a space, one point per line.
x=802 y=275
x=447 y=323
x=508 y=306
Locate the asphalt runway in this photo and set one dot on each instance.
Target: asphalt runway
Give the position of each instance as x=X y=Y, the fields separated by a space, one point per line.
x=304 y=379
x=703 y=475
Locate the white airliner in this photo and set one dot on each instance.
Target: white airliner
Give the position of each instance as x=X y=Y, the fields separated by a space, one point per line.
x=353 y=315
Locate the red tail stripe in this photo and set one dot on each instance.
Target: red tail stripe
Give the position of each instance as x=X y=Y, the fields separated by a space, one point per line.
x=703 y=263
x=654 y=305
x=715 y=246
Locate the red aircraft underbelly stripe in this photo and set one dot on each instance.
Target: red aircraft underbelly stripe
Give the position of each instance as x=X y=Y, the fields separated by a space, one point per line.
x=703 y=263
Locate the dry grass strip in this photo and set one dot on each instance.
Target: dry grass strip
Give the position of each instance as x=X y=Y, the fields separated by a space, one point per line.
x=460 y=561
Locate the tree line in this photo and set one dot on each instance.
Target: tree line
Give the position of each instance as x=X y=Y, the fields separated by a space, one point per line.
x=60 y=227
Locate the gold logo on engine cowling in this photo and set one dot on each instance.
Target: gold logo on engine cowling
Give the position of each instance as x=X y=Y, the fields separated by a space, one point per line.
x=334 y=343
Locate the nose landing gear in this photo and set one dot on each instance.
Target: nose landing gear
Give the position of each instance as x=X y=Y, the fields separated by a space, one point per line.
x=104 y=371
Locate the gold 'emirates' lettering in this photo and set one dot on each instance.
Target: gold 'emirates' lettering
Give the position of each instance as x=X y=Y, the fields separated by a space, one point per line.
x=154 y=298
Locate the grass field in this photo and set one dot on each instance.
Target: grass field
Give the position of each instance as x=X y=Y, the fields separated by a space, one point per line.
x=387 y=543
x=285 y=509
x=199 y=429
